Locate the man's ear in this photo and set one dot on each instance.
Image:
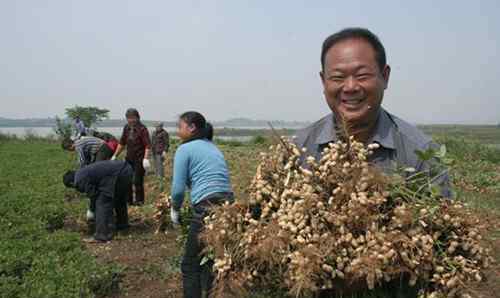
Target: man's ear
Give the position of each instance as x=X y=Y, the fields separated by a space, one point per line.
x=322 y=76
x=386 y=73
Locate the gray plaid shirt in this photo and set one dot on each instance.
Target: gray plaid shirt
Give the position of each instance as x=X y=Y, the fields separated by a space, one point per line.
x=87 y=148
x=398 y=142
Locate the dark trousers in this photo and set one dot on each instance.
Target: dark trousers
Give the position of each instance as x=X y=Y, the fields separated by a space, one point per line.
x=104 y=153
x=158 y=161
x=138 y=182
x=105 y=206
x=197 y=279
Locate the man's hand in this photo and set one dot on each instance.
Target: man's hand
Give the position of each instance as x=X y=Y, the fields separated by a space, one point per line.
x=174 y=216
x=164 y=154
x=114 y=157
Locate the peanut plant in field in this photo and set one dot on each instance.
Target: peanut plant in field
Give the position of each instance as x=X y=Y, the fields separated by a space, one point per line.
x=341 y=225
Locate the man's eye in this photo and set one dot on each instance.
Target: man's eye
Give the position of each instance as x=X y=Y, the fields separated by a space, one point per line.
x=363 y=76
x=337 y=78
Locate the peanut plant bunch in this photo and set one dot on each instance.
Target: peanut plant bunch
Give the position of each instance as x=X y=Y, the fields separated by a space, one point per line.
x=339 y=224
x=161 y=214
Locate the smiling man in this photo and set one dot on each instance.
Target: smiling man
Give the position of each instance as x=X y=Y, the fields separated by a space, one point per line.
x=355 y=75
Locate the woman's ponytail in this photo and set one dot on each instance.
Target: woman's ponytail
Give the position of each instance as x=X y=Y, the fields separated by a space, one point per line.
x=208 y=131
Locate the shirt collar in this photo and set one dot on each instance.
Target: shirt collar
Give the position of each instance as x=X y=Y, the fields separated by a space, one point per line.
x=384 y=131
x=327 y=130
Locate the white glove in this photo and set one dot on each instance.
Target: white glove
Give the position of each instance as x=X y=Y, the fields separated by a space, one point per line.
x=90 y=215
x=146 y=164
x=114 y=157
x=174 y=216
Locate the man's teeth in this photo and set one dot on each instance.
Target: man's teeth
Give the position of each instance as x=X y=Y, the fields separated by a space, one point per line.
x=352 y=101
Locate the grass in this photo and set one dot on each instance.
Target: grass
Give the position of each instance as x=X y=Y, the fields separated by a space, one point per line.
x=40 y=257
x=37 y=257
x=475 y=173
x=484 y=134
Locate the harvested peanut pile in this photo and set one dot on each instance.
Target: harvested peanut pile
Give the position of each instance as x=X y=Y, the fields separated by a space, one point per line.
x=162 y=213
x=341 y=225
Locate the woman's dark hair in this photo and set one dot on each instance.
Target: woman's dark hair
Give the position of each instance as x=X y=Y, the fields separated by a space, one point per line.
x=69 y=179
x=67 y=143
x=209 y=131
x=132 y=112
x=350 y=33
x=204 y=130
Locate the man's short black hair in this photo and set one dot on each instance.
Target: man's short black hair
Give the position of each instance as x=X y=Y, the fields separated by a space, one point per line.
x=69 y=179
x=350 y=33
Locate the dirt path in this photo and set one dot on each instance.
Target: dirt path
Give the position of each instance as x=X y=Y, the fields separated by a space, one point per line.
x=491 y=287
x=149 y=262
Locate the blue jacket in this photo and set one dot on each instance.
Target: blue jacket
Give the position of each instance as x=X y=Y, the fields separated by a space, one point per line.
x=200 y=166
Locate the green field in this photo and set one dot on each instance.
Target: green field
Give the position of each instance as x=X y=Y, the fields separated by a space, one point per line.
x=484 y=134
x=38 y=257
x=41 y=223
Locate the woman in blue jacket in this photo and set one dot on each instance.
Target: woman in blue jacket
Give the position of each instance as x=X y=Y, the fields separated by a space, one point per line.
x=200 y=166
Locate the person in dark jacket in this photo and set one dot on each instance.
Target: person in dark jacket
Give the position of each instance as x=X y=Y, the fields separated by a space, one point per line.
x=89 y=149
x=108 y=183
x=135 y=138
x=160 y=143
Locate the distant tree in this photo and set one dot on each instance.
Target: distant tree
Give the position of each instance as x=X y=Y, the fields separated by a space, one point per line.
x=89 y=115
x=63 y=129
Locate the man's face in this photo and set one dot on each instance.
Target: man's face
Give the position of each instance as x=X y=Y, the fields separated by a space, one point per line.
x=132 y=120
x=353 y=83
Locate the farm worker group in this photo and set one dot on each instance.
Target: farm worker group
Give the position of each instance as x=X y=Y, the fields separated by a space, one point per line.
x=354 y=74
x=104 y=146
x=89 y=150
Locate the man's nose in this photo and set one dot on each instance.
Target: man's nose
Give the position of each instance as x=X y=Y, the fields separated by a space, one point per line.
x=351 y=84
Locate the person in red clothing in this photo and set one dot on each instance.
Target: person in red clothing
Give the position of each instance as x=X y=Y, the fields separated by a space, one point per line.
x=135 y=137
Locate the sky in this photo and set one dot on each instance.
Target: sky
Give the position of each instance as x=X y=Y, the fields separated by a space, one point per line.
x=254 y=59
